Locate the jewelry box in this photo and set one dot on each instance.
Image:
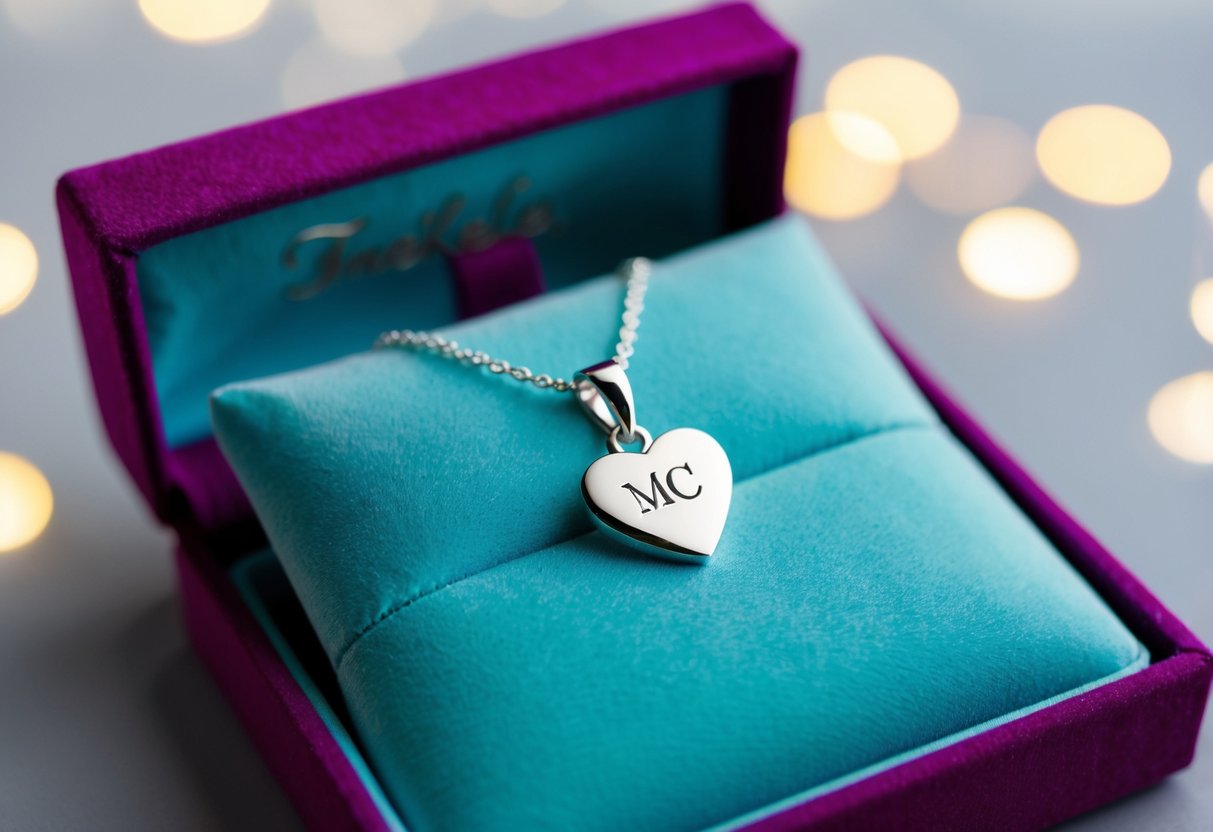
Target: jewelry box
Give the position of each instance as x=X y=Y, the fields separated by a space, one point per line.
x=293 y=242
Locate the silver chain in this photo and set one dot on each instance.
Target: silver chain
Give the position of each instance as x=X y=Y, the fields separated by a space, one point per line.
x=636 y=270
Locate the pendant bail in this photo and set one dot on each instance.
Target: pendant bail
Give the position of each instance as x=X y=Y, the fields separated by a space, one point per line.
x=606 y=396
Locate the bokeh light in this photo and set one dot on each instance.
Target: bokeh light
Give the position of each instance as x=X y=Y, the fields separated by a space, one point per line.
x=1018 y=253
x=26 y=502
x=316 y=72
x=372 y=27
x=192 y=21
x=828 y=180
x=1181 y=417
x=864 y=136
x=911 y=100
x=1201 y=306
x=18 y=267
x=1103 y=154
x=43 y=17
x=986 y=163
x=524 y=8
x=1204 y=189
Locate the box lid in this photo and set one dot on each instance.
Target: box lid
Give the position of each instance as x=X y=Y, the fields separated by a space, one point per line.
x=172 y=251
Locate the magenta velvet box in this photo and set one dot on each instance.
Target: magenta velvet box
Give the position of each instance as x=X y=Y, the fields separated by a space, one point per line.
x=1039 y=769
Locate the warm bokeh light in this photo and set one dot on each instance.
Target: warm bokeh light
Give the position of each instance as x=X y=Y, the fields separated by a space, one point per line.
x=1103 y=154
x=1018 y=253
x=524 y=8
x=42 y=17
x=913 y=102
x=18 y=267
x=1204 y=189
x=317 y=72
x=987 y=162
x=1201 y=307
x=372 y=27
x=828 y=180
x=863 y=136
x=26 y=502
x=1181 y=417
x=192 y=21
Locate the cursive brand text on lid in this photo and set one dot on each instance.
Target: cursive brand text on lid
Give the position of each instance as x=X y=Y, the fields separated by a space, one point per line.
x=444 y=230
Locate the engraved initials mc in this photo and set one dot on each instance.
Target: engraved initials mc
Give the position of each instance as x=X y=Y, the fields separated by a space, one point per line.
x=659 y=495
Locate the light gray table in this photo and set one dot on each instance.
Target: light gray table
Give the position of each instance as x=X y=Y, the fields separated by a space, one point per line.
x=106 y=719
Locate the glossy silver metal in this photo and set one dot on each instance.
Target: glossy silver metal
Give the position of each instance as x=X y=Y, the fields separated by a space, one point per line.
x=669 y=500
x=635 y=271
x=605 y=395
x=615 y=441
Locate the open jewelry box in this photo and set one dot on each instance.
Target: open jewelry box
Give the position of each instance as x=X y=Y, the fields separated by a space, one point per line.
x=292 y=242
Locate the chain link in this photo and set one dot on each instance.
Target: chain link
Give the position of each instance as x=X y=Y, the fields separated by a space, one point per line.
x=636 y=270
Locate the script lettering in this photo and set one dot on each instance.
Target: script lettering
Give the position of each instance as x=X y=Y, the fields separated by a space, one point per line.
x=439 y=231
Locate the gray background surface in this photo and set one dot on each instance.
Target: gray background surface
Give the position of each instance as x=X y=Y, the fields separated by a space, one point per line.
x=106 y=719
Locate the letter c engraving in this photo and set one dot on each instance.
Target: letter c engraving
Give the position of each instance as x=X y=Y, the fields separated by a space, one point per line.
x=669 y=481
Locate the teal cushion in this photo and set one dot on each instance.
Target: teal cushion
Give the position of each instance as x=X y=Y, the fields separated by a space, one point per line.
x=874 y=591
x=606 y=199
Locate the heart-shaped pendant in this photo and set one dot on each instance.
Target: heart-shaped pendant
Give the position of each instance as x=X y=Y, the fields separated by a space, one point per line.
x=671 y=499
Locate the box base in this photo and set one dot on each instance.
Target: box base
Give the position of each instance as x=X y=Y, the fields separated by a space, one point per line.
x=1051 y=764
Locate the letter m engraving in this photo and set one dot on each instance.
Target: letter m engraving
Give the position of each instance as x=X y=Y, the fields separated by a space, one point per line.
x=656 y=497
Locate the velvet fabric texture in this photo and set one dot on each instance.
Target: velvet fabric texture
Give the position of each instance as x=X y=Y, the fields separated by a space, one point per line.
x=579 y=194
x=875 y=592
x=1129 y=733
x=113 y=214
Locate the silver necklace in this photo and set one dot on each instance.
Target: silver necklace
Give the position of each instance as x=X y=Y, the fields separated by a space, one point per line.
x=669 y=499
